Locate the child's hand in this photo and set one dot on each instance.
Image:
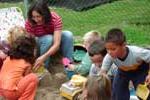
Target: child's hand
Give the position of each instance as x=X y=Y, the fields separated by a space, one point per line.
x=83 y=95
x=27 y=71
x=148 y=79
x=2 y=55
x=71 y=67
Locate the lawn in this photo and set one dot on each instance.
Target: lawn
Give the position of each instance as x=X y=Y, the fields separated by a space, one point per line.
x=132 y=16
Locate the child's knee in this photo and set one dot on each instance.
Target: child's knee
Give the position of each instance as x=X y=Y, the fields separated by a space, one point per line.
x=67 y=34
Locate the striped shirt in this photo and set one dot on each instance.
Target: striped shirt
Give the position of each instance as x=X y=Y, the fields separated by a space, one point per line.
x=40 y=30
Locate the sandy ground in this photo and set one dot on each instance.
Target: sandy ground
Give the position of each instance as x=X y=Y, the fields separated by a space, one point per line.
x=49 y=85
x=48 y=88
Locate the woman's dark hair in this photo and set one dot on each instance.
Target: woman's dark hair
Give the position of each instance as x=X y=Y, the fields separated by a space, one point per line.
x=41 y=7
x=23 y=48
x=116 y=36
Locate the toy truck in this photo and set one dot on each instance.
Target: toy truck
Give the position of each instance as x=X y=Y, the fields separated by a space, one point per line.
x=71 y=89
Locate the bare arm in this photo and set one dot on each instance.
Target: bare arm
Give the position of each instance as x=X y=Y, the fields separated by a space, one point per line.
x=56 y=44
x=52 y=50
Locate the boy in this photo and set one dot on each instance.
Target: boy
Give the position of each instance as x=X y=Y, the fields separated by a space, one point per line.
x=96 y=52
x=84 y=67
x=132 y=63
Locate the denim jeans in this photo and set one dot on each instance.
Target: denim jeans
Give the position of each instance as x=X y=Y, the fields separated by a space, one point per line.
x=120 y=89
x=66 y=46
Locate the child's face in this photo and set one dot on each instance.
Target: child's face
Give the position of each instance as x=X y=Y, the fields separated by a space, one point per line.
x=37 y=17
x=116 y=51
x=97 y=59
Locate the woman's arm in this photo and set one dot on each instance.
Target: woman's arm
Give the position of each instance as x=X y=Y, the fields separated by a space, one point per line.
x=56 y=43
x=52 y=50
x=57 y=21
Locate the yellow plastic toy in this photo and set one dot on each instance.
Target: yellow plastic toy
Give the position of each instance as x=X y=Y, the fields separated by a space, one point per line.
x=40 y=72
x=142 y=91
x=73 y=88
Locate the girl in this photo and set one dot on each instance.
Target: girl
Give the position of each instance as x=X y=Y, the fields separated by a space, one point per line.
x=46 y=26
x=97 y=88
x=16 y=80
x=13 y=34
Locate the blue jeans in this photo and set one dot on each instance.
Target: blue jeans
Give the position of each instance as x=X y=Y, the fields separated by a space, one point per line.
x=66 y=46
x=120 y=89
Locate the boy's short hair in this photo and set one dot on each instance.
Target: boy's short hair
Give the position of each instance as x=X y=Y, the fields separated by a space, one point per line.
x=116 y=36
x=97 y=47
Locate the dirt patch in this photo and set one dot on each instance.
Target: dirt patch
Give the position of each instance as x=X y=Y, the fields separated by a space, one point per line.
x=49 y=85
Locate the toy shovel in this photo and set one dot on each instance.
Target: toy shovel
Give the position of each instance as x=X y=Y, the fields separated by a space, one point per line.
x=142 y=91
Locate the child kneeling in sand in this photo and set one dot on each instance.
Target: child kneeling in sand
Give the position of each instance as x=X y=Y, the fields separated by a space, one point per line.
x=17 y=82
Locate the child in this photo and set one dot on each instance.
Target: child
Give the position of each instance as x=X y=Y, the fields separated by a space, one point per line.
x=16 y=80
x=13 y=34
x=96 y=52
x=132 y=63
x=84 y=67
x=16 y=32
x=97 y=88
x=46 y=26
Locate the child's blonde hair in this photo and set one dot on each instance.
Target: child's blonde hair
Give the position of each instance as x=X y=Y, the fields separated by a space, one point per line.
x=98 y=88
x=90 y=37
x=15 y=32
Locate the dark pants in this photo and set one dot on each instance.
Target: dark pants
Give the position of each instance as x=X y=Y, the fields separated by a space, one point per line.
x=120 y=89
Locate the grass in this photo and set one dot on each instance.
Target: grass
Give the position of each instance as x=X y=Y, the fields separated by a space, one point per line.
x=132 y=16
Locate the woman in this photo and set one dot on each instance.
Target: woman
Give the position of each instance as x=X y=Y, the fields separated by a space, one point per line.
x=47 y=27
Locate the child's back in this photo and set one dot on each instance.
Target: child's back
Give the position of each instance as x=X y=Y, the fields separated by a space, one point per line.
x=16 y=79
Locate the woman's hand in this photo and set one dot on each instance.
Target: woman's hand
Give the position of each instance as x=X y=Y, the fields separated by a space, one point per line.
x=39 y=62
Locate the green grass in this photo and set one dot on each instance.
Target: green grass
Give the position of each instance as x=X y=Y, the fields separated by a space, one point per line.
x=132 y=16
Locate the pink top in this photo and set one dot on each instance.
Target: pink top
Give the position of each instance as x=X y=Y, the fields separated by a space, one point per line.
x=40 y=30
x=11 y=73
